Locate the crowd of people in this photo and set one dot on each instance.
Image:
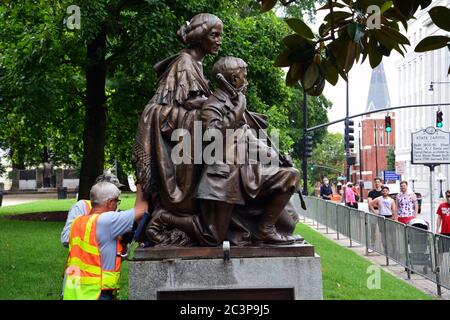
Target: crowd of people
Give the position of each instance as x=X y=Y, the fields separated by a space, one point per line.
x=348 y=193
x=402 y=207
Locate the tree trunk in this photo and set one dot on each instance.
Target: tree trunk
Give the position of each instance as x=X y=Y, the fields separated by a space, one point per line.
x=95 y=117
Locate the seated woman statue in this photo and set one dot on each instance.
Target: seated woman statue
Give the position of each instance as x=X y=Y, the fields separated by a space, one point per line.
x=182 y=88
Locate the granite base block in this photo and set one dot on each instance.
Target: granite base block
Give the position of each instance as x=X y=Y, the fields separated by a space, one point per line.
x=298 y=278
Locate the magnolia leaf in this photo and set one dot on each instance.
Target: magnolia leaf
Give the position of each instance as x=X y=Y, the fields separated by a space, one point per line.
x=356 y=31
x=296 y=70
x=294 y=40
x=395 y=14
x=283 y=59
x=386 y=6
x=267 y=5
x=350 y=56
x=407 y=8
x=335 y=5
x=397 y=36
x=318 y=87
x=375 y=56
x=424 y=3
x=290 y=81
x=300 y=27
x=331 y=74
x=310 y=76
x=432 y=43
x=337 y=16
x=441 y=17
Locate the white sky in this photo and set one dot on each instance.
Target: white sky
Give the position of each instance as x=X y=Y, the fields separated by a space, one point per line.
x=359 y=81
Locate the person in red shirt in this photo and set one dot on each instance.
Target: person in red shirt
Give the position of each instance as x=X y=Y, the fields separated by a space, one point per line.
x=443 y=216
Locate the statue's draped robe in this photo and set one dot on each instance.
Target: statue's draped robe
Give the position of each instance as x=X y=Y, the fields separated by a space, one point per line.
x=181 y=79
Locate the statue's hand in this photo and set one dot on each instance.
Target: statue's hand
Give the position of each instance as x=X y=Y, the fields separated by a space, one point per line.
x=239 y=103
x=195 y=103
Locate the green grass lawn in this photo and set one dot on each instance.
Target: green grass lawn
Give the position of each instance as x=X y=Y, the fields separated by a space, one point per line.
x=58 y=205
x=32 y=261
x=345 y=273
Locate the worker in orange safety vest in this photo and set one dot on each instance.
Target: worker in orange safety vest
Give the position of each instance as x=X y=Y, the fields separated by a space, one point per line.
x=93 y=266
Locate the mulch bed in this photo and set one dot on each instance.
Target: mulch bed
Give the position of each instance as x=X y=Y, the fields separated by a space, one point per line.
x=39 y=216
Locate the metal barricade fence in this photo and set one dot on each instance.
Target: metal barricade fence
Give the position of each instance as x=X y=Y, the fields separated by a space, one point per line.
x=421 y=252
x=343 y=220
x=311 y=207
x=416 y=249
x=443 y=259
x=331 y=214
x=295 y=201
x=376 y=233
x=357 y=226
x=314 y=207
x=321 y=213
x=396 y=241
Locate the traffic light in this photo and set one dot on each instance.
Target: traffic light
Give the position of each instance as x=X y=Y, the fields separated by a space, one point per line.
x=351 y=160
x=308 y=144
x=387 y=124
x=349 y=138
x=439 y=119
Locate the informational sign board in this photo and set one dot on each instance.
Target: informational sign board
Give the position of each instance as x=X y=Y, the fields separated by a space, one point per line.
x=430 y=146
x=400 y=167
x=391 y=175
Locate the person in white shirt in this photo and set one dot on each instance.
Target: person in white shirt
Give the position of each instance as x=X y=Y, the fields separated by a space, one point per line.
x=386 y=205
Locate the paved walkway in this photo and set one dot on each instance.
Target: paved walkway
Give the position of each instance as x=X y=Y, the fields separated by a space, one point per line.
x=393 y=268
x=13 y=199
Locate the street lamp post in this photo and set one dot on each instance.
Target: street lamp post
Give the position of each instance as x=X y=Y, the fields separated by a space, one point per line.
x=376 y=147
x=305 y=160
x=441 y=178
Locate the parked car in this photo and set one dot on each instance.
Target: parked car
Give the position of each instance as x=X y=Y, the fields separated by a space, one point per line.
x=418 y=195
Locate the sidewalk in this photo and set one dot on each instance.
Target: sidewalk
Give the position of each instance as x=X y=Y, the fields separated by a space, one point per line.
x=13 y=199
x=393 y=268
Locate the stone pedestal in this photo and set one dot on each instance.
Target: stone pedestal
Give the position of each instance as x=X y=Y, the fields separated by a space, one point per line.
x=201 y=273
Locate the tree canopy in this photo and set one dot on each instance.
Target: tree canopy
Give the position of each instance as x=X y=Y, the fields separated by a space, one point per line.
x=328 y=158
x=79 y=92
x=352 y=31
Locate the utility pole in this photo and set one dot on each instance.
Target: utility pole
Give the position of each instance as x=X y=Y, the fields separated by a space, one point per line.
x=305 y=159
x=347 y=147
x=361 y=182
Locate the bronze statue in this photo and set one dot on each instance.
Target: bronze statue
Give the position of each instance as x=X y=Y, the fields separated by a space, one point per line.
x=190 y=206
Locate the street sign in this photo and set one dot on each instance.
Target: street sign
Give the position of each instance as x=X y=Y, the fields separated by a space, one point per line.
x=340 y=178
x=368 y=185
x=430 y=146
x=391 y=175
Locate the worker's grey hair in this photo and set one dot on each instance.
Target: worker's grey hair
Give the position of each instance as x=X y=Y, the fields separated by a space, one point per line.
x=102 y=192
